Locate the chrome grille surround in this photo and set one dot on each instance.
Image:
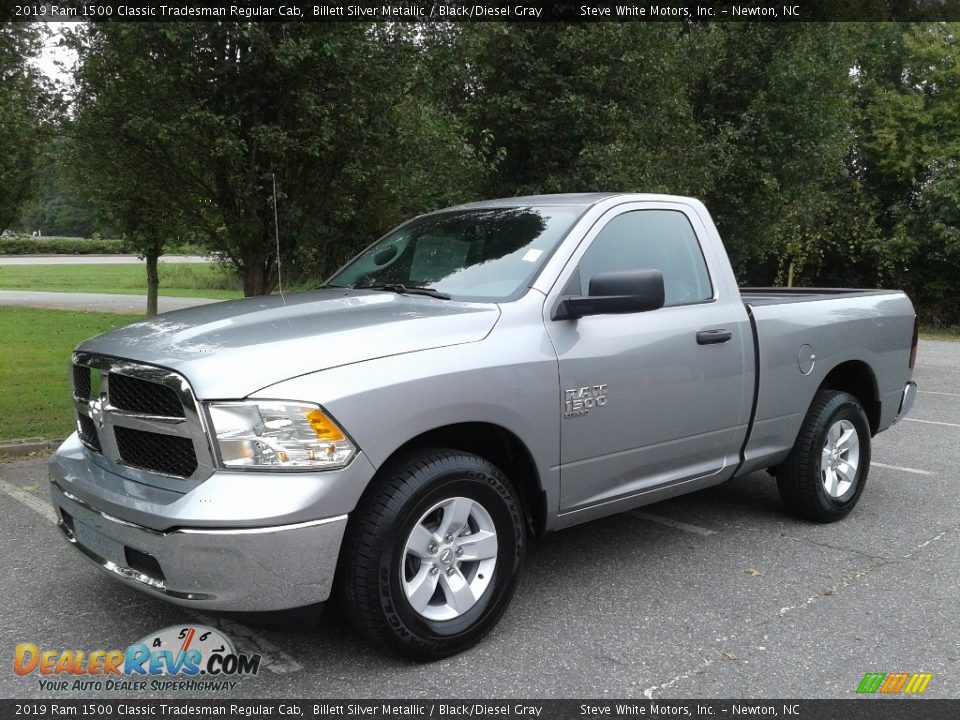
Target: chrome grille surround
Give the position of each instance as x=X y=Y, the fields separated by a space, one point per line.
x=105 y=417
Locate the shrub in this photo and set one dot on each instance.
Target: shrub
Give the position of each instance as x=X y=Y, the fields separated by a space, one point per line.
x=61 y=246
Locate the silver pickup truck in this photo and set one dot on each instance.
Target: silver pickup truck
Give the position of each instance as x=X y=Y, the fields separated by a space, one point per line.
x=477 y=377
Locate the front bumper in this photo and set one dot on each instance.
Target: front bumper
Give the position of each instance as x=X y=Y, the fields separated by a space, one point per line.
x=249 y=569
x=238 y=541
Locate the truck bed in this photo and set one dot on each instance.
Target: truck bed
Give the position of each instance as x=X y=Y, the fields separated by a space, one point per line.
x=817 y=330
x=760 y=296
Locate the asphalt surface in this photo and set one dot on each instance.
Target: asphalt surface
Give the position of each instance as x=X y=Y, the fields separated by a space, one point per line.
x=96 y=259
x=95 y=302
x=715 y=594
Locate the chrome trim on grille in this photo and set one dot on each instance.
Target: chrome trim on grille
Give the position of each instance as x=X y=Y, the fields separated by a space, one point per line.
x=105 y=417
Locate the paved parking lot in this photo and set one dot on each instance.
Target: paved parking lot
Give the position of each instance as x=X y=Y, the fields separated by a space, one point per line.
x=716 y=594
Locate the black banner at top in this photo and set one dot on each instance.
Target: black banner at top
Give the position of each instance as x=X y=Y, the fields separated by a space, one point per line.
x=452 y=11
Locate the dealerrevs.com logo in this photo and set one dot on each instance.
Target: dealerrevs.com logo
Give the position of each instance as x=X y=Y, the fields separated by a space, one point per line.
x=181 y=657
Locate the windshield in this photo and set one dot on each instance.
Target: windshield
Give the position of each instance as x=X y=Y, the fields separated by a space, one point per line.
x=486 y=254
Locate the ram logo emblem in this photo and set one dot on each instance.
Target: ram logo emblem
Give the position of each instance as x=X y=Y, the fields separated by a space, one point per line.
x=580 y=401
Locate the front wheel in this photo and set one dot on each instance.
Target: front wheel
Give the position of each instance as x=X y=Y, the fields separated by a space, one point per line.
x=825 y=473
x=433 y=554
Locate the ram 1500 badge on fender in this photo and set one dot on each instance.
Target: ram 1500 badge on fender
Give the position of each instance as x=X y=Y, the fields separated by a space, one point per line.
x=478 y=376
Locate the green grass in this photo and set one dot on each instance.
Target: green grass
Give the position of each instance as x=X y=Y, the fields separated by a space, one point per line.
x=176 y=279
x=34 y=375
x=940 y=333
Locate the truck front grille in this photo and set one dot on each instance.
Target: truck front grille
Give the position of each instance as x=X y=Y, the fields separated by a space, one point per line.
x=81 y=382
x=88 y=433
x=165 y=454
x=143 y=421
x=141 y=396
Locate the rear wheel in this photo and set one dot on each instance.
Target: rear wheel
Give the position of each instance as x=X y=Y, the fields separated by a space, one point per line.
x=433 y=554
x=824 y=475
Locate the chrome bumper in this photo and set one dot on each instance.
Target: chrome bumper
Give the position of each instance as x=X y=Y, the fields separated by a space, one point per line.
x=907 y=399
x=247 y=569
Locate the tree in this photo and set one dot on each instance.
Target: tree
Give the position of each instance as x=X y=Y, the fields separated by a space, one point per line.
x=59 y=204
x=206 y=115
x=578 y=107
x=774 y=99
x=125 y=198
x=908 y=158
x=26 y=109
x=752 y=118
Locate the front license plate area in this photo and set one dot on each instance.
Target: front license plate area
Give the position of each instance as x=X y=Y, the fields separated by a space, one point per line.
x=95 y=541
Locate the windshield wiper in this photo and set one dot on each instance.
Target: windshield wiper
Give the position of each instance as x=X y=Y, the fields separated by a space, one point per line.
x=404 y=290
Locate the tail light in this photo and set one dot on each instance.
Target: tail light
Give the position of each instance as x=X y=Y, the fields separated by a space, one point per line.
x=913 y=344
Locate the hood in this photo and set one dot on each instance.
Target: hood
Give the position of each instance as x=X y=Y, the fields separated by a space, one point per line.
x=231 y=349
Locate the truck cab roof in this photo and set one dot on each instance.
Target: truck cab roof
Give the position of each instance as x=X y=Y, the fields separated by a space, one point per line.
x=582 y=200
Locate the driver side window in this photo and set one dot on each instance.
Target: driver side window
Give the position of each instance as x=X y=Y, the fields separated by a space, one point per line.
x=651 y=240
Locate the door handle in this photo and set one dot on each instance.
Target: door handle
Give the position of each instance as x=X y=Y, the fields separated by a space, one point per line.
x=713 y=337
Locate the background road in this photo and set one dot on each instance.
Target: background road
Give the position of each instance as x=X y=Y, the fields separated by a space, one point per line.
x=96 y=259
x=95 y=302
x=716 y=594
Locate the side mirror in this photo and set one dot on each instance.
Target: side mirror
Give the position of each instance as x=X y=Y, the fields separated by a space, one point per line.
x=616 y=291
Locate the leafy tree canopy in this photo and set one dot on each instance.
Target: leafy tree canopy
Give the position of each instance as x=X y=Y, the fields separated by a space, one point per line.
x=26 y=109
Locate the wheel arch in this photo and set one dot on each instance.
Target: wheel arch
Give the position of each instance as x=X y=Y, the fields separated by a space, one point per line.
x=497 y=445
x=858 y=379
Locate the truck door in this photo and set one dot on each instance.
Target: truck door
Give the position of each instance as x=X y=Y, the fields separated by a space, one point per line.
x=657 y=399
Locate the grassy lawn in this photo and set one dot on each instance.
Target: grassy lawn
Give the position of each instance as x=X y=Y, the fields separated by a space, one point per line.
x=943 y=333
x=34 y=376
x=182 y=280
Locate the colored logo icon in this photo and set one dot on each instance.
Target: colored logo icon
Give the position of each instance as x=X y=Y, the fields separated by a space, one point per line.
x=894 y=683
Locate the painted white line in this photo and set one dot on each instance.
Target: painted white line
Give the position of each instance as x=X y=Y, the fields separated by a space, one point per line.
x=273 y=658
x=31 y=501
x=676 y=524
x=932 y=422
x=934 y=539
x=648 y=693
x=903 y=469
x=932 y=392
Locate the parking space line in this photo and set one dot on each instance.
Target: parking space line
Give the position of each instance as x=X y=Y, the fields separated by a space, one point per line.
x=903 y=469
x=932 y=422
x=273 y=658
x=31 y=501
x=934 y=392
x=675 y=524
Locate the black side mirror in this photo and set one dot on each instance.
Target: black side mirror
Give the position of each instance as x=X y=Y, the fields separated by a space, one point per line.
x=616 y=291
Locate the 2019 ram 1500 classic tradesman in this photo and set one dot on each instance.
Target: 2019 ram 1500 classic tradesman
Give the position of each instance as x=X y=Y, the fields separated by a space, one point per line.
x=479 y=375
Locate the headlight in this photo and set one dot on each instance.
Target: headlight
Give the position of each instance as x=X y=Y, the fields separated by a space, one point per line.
x=278 y=434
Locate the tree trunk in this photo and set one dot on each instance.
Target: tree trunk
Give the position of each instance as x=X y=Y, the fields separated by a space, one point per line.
x=153 y=281
x=256 y=280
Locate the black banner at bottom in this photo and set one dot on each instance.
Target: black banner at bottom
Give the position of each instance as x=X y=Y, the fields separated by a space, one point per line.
x=854 y=709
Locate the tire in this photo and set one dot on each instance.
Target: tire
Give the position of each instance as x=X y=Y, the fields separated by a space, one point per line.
x=411 y=587
x=825 y=473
